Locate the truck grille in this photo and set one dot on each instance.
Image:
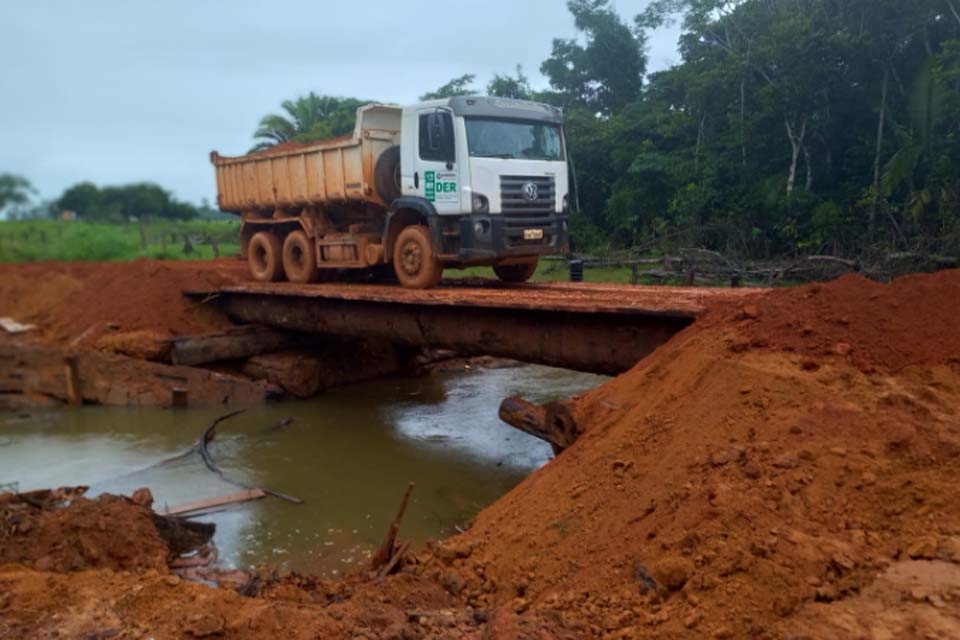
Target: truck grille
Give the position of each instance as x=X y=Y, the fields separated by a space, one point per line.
x=516 y=203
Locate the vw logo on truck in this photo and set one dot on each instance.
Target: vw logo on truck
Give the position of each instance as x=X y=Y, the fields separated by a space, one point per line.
x=530 y=191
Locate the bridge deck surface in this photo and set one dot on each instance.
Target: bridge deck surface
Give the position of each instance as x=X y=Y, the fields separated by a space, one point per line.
x=681 y=302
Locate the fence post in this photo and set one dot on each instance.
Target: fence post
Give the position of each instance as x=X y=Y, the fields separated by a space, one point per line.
x=576 y=270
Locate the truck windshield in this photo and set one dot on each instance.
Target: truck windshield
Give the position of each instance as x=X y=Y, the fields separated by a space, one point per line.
x=490 y=138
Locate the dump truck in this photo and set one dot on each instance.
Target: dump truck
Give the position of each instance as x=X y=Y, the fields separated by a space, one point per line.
x=452 y=183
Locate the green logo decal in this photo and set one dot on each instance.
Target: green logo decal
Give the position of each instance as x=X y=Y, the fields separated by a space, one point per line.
x=440 y=187
x=430 y=185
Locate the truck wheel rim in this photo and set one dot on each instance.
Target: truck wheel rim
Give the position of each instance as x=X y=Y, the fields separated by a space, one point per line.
x=411 y=258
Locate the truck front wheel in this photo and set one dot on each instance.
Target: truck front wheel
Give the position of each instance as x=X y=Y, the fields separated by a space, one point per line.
x=516 y=272
x=300 y=258
x=413 y=260
x=263 y=256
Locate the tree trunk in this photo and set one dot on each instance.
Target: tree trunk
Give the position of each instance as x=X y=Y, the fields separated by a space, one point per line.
x=234 y=344
x=796 y=142
x=953 y=10
x=696 y=153
x=875 y=199
x=743 y=137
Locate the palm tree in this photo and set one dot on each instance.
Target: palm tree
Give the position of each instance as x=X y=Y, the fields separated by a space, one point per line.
x=14 y=190
x=913 y=165
x=307 y=119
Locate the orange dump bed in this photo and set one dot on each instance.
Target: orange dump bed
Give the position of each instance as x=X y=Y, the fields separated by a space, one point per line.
x=293 y=176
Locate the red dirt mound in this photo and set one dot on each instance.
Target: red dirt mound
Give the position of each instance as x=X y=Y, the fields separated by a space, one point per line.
x=70 y=299
x=913 y=321
x=107 y=533
x=725 y=493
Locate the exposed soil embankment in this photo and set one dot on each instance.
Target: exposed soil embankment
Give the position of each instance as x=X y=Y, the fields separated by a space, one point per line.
x=779 y=455
x=67 y=299
x=784 y=468
x=104 y=334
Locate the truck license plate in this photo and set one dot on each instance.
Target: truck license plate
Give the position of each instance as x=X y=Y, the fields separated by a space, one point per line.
x=533 y=234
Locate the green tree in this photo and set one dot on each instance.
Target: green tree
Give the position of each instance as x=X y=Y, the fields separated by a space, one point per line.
x=506 y=86
x=309 y=118
x=459 y=86
x=122 y=203
x=606 y=71
x=82 y=198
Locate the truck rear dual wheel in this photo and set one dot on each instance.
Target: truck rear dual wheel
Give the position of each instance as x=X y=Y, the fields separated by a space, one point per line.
x=516 y=272
x=300 y=258
x=414 y=262
x=264 y=257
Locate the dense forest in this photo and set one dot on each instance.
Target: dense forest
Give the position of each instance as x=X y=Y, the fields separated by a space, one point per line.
x=789 y=126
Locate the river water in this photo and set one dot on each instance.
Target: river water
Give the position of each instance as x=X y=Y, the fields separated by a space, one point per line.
x=349 y=454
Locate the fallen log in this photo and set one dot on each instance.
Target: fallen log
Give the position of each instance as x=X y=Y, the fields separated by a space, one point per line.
x=552 y=422
x=387 y=550
x=110 y=379
x=235 y=344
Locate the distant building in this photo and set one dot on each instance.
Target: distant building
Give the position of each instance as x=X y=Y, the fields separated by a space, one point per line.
x=67 y=215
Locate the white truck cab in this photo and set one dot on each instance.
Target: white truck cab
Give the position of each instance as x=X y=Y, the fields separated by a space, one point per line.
x=495 y=171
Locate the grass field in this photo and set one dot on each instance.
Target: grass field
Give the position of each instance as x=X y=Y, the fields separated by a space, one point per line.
x=557 y=270
x=33 y=240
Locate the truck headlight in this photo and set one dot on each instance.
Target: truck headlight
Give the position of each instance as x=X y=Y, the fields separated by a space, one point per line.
x=479 y=203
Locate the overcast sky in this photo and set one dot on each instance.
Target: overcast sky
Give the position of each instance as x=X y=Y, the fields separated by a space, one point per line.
x=118 y=91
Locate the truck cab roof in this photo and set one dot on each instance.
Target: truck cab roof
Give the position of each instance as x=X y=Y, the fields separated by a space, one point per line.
x=491 y=107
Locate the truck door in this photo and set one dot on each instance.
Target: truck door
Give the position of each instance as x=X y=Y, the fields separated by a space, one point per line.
x=436 y=177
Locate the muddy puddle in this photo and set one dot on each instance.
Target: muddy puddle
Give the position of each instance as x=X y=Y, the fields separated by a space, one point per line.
x=348 y=454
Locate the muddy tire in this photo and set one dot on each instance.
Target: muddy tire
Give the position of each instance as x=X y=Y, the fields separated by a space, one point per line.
x=414 y=262
x=300 y=258
x=516 y=272
x=264 y=255
x=386 y=175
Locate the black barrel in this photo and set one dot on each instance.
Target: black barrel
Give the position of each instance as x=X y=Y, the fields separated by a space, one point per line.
x=576 y=270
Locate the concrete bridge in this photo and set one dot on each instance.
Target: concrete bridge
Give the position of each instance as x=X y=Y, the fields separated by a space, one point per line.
x=596 y=328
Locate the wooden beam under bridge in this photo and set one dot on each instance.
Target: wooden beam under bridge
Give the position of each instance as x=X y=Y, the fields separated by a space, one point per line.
x=598 y=329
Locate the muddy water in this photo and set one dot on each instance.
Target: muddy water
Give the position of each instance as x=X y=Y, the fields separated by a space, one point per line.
x=348 y=454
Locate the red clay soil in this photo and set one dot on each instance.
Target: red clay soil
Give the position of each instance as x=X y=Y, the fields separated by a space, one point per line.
x=784 y=468
x=67 y=299
x=913 y=321
x=750 y=472
x=110 y=532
